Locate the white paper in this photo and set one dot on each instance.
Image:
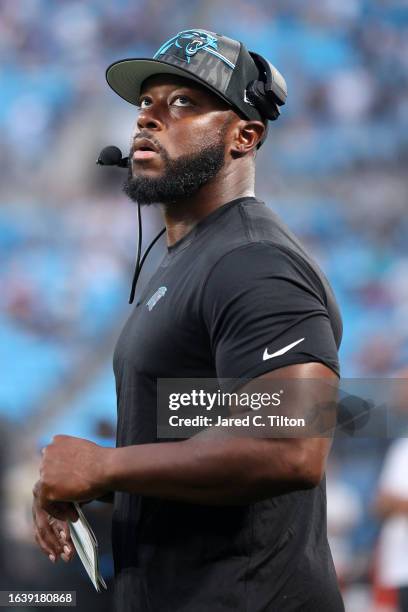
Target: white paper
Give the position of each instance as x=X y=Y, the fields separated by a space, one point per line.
x=86 y=546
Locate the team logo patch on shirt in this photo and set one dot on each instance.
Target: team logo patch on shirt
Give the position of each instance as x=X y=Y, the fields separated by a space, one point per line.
x=156 y=297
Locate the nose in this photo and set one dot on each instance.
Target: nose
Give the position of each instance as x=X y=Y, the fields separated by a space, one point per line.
x=148 y=120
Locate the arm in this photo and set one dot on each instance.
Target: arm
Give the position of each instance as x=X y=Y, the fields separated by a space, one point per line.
x=282 y=303
x=388 y=505
x=209 y=470
x=205 y=469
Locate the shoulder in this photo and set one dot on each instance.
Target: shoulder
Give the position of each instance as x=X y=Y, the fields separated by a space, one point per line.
x=263 y=277
x=252 y=236
x=263 y=261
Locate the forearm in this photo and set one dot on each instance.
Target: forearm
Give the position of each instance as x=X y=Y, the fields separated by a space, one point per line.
x=206 y=471
x=388 y=505
x=214 y=467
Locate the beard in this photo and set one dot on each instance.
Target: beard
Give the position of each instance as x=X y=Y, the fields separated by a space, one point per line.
x=182 y=177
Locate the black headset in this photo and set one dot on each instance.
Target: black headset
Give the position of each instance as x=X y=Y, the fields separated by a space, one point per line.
x=268 y=94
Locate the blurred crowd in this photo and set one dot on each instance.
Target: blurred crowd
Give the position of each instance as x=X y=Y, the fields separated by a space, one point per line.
x=333 y=167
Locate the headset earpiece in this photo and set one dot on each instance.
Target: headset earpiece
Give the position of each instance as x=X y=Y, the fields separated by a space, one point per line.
x=268 y=94
x=255 y=94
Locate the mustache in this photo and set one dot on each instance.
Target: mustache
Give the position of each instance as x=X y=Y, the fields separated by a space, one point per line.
x=157 y=144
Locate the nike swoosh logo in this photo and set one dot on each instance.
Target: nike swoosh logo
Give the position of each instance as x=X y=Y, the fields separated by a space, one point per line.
x=281 y=351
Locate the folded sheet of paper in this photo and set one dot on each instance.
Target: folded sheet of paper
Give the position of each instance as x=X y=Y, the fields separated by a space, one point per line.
x=86 y=546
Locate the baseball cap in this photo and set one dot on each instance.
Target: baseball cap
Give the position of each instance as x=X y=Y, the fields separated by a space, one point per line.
x=221 y=64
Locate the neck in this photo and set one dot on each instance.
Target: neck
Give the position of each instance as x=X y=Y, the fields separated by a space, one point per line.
x=181 y=216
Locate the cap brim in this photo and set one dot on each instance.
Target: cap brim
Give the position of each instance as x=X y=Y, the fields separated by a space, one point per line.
x=126 y=76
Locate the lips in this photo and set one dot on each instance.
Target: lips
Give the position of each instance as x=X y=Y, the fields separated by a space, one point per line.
x=144 y=149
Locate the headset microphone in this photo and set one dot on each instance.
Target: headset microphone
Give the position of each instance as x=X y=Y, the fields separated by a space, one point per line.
x=112 y=156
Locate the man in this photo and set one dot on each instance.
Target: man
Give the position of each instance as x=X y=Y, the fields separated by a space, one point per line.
x=392 y=507
x=392 y=501
x=208 y=523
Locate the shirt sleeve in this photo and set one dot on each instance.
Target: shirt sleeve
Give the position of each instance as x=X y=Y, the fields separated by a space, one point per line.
x=265 y=308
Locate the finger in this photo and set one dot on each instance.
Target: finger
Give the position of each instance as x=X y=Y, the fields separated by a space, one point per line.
x=53 y=535
x=51 y=540
x=51 y=520
x=68 y=544
x=61 y=531
x=68 y=554
x=66 y=541
x=44 y=534
x=47 y=547
x=44 y=528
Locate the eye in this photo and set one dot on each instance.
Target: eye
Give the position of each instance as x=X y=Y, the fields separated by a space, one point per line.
x=144 y=103
x=182 y=101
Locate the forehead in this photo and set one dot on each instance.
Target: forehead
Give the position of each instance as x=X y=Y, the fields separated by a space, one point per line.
x=169 y=79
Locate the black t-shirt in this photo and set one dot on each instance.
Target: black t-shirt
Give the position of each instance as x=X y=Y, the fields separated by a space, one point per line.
x=237 y=283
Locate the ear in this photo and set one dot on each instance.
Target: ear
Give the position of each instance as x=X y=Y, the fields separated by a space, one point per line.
x=246 y=136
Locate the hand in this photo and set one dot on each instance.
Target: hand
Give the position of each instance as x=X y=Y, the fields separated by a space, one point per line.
x=51 y=534
x=72 y=469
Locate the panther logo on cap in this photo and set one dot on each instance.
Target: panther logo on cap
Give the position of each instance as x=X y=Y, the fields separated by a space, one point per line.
x=192 y=41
